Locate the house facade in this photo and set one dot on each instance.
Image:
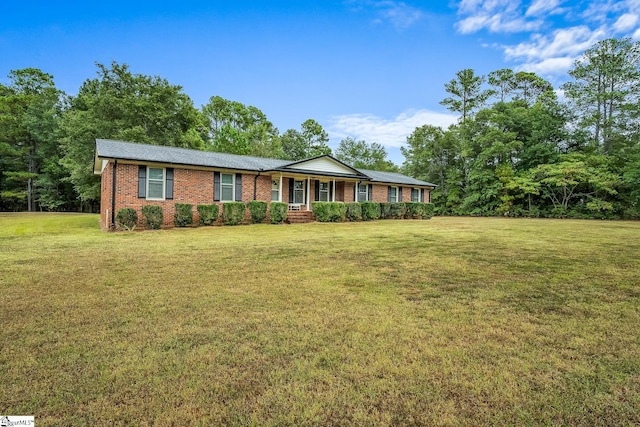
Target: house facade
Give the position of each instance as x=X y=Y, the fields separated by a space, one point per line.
x=134 y=175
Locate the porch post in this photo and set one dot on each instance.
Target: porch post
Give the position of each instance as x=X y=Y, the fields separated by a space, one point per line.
x=333 y=198
x=357 y=190
x=280 y=190
x=308 y=193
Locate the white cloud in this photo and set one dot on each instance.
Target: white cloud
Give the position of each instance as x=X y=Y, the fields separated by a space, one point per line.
x=626 y=22
x=554 y=54
x=549 y=66
x=397 y=13
x=500 y=16
x=390 y=133
x=540 y=7
x=401 y=15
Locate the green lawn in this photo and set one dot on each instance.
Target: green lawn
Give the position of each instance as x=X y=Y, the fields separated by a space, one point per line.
x=453 y=321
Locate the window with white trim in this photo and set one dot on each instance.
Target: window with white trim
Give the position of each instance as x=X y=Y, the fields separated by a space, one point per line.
x=415 y=194
x=275 y=190
x=298 y=192
x=393 y=194
x=363 y=192
x=323 y=191
x=155 y=183
x=227 y=187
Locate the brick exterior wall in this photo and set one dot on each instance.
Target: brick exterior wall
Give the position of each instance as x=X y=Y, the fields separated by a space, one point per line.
x=196 y=187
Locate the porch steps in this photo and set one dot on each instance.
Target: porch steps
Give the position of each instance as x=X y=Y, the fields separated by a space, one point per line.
x=299 y=217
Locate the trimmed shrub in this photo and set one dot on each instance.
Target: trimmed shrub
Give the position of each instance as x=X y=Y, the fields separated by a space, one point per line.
x=329 y=211
x=412 y=210
x=370 y=211
x=396 y=210
x=278 y=212
x=385 y=210
x=233 y=213
x=127 y=218
x=183 y=215
x=321 y=211
x=427 y=210
x=338 y=212
x=258 y=211
x=208 y=214
x=153 y=217
x=354 y=211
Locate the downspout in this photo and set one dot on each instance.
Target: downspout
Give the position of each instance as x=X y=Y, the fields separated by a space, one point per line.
x=255 y=183
x=113 y=196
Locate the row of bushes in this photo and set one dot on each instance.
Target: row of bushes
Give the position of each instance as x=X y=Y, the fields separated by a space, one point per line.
x=368 y=211
x=232 y=214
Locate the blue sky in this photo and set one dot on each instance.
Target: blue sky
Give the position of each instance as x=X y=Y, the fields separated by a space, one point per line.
x=369 y=69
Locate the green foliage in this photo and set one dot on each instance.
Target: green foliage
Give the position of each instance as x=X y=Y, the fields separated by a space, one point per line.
x=127 y=218
x=208 y=214
x=329 y=211
x=258 y=211
x=370 y=211
x=278 y=212
x=396 y=210
x=427 y=210
x=183 y=215
x=385 y=210
x=239 y=129
x=233 y=213
x=354 y=211
x=412 y=210
x=153 y=217
x=125 y=106
x=361 y=155
x=310 y=141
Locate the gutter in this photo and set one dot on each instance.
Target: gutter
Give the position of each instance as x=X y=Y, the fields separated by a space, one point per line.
x=255 y=183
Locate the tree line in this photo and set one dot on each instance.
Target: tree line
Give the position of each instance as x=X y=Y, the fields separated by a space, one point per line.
x=520 y=147
x=524 y=148
x=47 y=137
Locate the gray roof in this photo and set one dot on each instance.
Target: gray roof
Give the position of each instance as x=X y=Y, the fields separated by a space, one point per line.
x=111 y=149
x=121 y=150
x=393 y=178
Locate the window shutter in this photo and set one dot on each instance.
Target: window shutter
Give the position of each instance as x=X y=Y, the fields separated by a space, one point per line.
x=238 y=187
x=142 y=182
x=330 y=191
x=370 y=192
x=169 y=184
x=306 y=193
x=355 y=191
x=422 y=195
x=216 y=187
x=317 y=184
x=399 y=194
x=388 y=193
x=290 y=190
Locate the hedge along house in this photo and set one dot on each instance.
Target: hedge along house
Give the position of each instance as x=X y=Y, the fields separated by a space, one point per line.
x=135 y=175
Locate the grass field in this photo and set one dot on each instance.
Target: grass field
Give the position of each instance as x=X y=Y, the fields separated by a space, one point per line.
x=453 y=321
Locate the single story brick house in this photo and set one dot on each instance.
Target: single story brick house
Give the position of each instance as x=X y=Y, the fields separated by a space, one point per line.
x=134 y=175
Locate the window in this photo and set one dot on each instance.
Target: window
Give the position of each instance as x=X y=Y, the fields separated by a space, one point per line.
x=393 y=194
x=298 y=192
x=363 y=192
x=227 y=183
x=323 y=192
x=155 y=183
x=415 y=194
x=275 y=190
